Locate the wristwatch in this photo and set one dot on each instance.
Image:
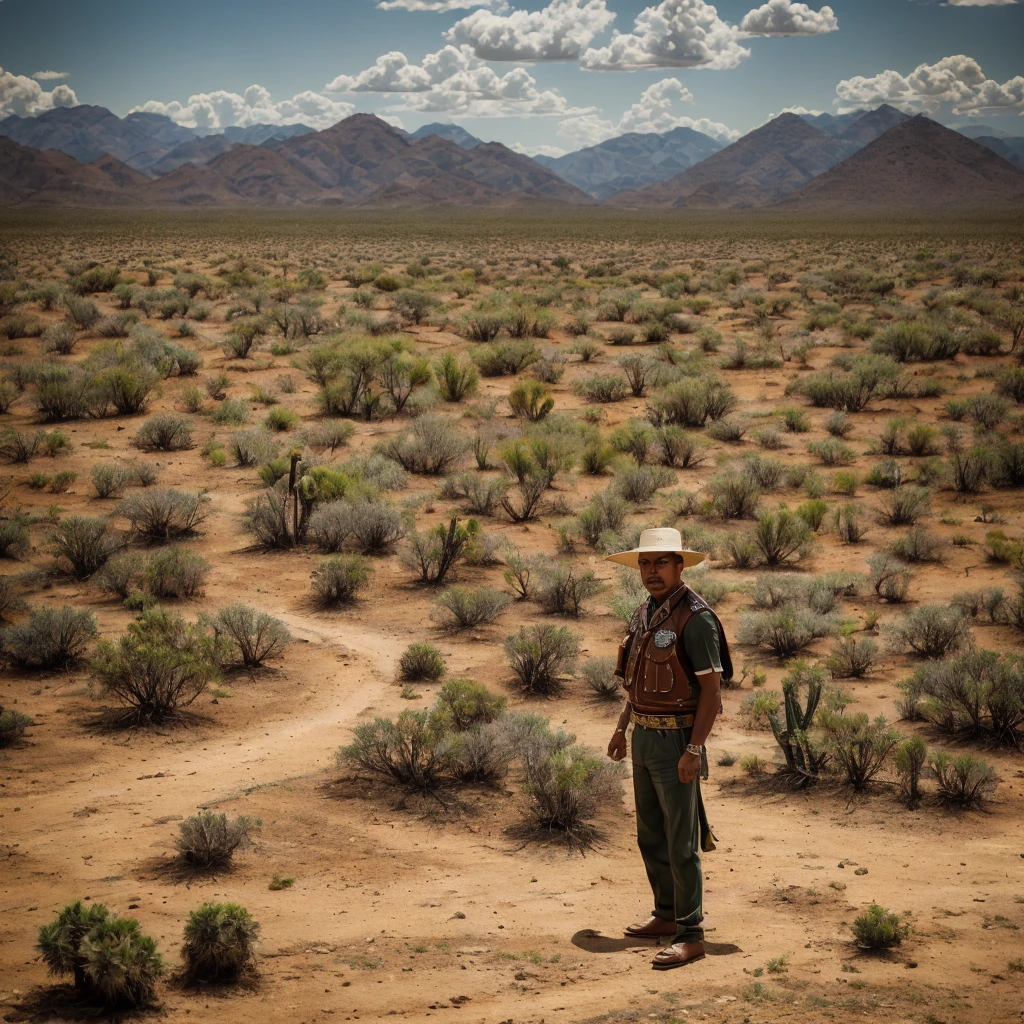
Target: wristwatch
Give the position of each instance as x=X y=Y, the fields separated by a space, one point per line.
x=692 y=748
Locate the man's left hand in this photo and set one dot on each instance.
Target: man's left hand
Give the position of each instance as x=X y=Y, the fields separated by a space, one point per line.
x=688 y=767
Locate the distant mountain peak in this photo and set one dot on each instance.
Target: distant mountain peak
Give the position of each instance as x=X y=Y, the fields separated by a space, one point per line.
x=453 y=132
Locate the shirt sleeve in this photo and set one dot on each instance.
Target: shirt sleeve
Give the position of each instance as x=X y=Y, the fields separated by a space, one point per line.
x=701 y=643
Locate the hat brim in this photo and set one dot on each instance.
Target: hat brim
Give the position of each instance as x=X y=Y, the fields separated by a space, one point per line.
x=632 y=557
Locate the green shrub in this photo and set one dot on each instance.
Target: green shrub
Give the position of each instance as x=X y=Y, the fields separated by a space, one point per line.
x=436 y=553
x=12 y=726
x=851 y=658
x=113 y=963
x=602 y=387
x=877 y=928
x=60 y=338
x=530 y=399
x=432 y=447
x=785 y=631
x=638 y=484
x=904 y=505
x=964 y=781
x=218 y=942
x=910 y=756
x=165 y=433
x=52 y=637
x=801 y=692
x=539 y=655
x=231 y=412
x=505 y=358
x=421 y=661
x=456 y=380
x=858 y=746
x=734 y=495
x=463 y=705
x=281 y=419
x=468 y=607
x=158 y=667
x=782 y=537
x=175 y=573
x=832 y=452
x=930 y=631
x=916 y=341
x=562 y=590
x=338 y=580
x=207 y=840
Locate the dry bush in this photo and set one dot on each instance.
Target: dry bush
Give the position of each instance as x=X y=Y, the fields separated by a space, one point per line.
x=889 y=576
x=51 y=638
x=467 y=607
x=83 y=545
x=785 y=631
x=173 y=573
x=207 y=840
x=930 y=631
x=248 y=636
x=432 y=447
x=562 y=590
x=964 y=781
x=338 y=580
x=540 y=655
x=162 y=514
x=598 y=674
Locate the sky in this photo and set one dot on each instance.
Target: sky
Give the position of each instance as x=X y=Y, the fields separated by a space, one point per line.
x=542 y=76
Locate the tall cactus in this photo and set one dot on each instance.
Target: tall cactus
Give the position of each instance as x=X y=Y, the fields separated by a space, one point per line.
x=803 y=762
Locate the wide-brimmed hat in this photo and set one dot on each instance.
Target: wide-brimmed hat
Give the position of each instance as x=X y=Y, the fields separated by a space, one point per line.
x=661 y=540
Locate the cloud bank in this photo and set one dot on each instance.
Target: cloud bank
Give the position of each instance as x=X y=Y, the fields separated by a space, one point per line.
x=785 y=18
x=26 y=97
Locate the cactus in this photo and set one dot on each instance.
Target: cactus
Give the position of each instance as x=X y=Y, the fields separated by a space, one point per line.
x=803 y=762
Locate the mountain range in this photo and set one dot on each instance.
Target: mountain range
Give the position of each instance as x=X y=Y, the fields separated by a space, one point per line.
x=86 y=156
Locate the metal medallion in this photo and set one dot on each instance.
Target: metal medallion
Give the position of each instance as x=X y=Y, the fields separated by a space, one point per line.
x=664 y=638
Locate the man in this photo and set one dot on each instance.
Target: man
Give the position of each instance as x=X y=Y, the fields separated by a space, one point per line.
x=672 y=663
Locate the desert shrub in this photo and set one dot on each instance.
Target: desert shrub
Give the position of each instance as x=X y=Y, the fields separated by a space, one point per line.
x=83 y=544
x=734 y=495
x=480 y=326
x=112 y=961
x=231 y=412
x=174 y=573
x=539 y=655
x=456 y=380
x=62 y=393
x=741 y=549
x=567 y=784
x=795 y=420
x=505 y=358
x=599 y=675
x=691 y=402
x=156 y=669
x=838 y=424
x=219 y=942
x=857 y=745
x=463 y=705
x=162 y=514
x=918 y=545
x=164 y=432
x=12 y=726
x=375 y=526
x=530 y=399
x=964 y=781
x=328 y=434
x=1010 y=383
x=782 y=537
x=641 y=372
x=431 y=447
x=562 y=590
x=785 y=631
x=207 y=840
x=14 y=537
x=267 y=518
x=421 y=661
x=248 y=636
x=467 y=607
x=1007 y=467
x=851 y=658
x=81 y=312
x=634 y=438
x=904 y=505
x=679 y=449
x=889 y=577
x=436 y=553
x=866 y=376
x=638 y=484
x=531 y=494
x=109 y=479
x=338 y=580
x=812 y=513
x=479 y=495
x=979 y=695
x=408 y=752
x=602 y=387
x=52 y=637
x=987 y=411
x=330 y=525
x=19 y=447
x=279 y=419
x=877 y=928
x=60 y=338
x=916 y=341
x=910 y=756
x=969 y=469
x=930 y=631
x=832 y=452
x=252 y=447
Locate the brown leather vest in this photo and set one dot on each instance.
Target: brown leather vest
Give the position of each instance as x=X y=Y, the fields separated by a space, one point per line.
x=656 y=674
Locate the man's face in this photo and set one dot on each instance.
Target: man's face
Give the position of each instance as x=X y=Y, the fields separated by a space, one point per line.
x=661 y=572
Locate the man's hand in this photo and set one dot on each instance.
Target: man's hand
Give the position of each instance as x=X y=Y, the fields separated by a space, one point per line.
x=617 y=745
x=689 y=765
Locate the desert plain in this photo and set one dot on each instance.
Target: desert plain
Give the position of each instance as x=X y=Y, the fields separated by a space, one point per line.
x=443 y=905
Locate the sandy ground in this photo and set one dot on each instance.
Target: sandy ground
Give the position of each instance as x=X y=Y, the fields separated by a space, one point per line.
x=417 y=912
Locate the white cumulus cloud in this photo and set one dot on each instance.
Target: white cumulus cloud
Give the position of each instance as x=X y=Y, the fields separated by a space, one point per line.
x=26 y=97
x=212 y=111
x=785 y=18
x=392 y=72
x=539 y=150
x=559 y=31
x=956 y=83
x=50 y=76
x=654 y=111
x=454 y=81
x=434 y=5
x=673 y=34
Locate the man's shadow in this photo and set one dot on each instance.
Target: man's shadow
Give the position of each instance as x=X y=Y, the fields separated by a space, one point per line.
x=594 y=942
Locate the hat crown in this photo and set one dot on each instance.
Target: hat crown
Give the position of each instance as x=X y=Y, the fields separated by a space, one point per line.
x=661 y=538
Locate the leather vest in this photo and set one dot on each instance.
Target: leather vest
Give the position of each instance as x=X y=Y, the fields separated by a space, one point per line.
x=656 y=674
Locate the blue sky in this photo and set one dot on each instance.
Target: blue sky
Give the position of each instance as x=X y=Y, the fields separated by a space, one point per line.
x=544 y=75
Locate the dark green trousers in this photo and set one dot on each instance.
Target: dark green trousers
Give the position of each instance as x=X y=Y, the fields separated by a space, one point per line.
x=668 y=829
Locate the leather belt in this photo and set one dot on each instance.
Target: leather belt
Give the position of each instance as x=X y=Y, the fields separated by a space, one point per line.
x=661 y=721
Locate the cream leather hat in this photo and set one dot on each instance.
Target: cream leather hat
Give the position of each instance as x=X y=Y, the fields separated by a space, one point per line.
x=661 y=540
